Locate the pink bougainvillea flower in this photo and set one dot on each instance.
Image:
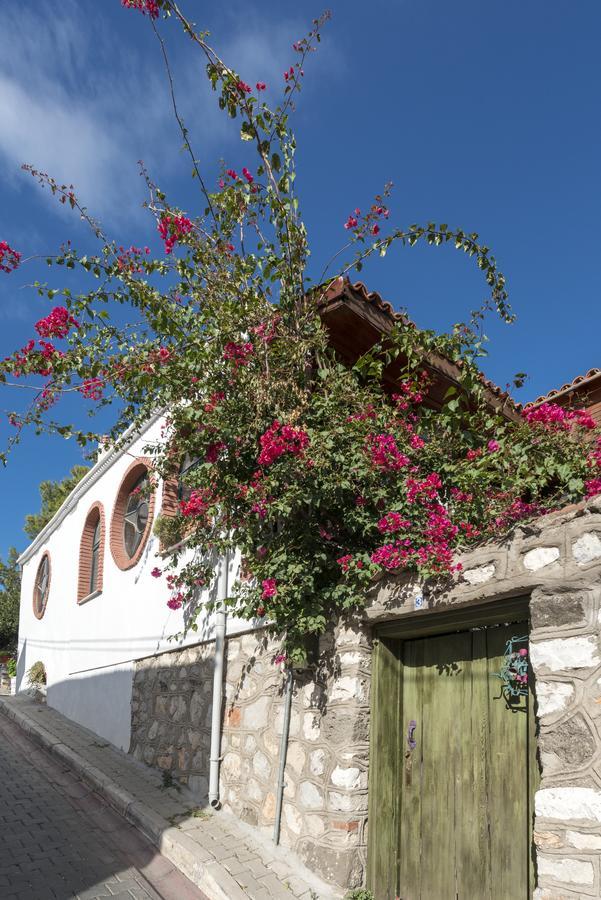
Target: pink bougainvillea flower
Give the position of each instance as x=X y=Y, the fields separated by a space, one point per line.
x=238 y=353
x=197 y=504
x=57 y=324
x=393 y=521
x=243 y=87
x=176 y=602
x=172 y=229
x=156 y=572
x=144 y=6
x=493 y=446
x=9 y=258
x=261 y=86
x=270 y=588
x=280 y=439
x=384 y=452
x=92 y=388
x=593 y=487
x=375 y=228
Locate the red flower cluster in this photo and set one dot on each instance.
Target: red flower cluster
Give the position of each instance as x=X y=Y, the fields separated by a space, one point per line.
x=144 y=6
x=92 y=388
x=214 y=451
x=57 y=324
x=553 y=416
x=213 y=401
x=176 y=602
x=392 y=556
x=266 y=330
x=9 y=258
x=270 y=588
x=238 y=353
x=280 y=439
x=289 y=73
x=172 y=229
x=261 y=86
x=393 y=521
x=385 y=453
x=423 y=490
x=353 y=220
x=127 y=260
x=593 y=487
x=243 y=87
x=247 y=175
x=198 y=504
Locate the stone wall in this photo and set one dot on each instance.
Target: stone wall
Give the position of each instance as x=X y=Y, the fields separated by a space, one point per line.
x=325 y=798
x=555 y=561
x=171 y=714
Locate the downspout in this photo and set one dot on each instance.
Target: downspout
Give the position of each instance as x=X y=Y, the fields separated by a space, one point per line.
x=283 y=751
x=220 y=624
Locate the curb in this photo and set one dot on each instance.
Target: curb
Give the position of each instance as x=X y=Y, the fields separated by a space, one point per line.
x=209 y=876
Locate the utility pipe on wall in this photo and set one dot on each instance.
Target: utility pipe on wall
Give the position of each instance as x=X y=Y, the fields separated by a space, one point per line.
x=282 y=760
x=220 y=626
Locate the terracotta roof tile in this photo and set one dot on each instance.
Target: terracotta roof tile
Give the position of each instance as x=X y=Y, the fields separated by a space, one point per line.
x=566 y=388
x=341 y=286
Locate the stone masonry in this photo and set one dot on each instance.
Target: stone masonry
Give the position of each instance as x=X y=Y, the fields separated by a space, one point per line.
x=555 y=561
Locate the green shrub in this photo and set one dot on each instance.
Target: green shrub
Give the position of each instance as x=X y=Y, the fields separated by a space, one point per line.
x=37 y=674
x=359 y=894
x=11 y=667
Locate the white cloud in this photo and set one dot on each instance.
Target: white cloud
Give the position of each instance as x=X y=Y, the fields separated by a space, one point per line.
x=79 y=101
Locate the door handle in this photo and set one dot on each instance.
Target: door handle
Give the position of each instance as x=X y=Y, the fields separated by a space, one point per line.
x=411 y=742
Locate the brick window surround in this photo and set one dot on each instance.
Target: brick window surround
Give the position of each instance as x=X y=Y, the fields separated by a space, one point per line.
x=95 y=513
x=40 y=602
x=134 y=472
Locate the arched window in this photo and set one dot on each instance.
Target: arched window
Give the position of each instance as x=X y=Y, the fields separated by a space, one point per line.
x=184 y=488
x=132 y=516
x=91 y=554
x=41 y=587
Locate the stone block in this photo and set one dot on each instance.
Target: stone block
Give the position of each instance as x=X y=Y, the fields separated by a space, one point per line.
x=568 y=870
x=587 y=548
x=540 y=557
x=559 y=608
x=347 y=778
x=553 y=696
x=293 y=818
x=571 y=740
x=256 y=714
x=261 y=765
x=566 y=804
x=479 y=574
x=584 y=840
x=310 y=796
x=341 y=866
x=561 y=654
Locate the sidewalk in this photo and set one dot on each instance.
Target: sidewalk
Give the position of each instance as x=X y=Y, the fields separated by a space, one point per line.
x=225 y=858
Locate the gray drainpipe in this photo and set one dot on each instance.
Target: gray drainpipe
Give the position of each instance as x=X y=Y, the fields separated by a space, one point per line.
x=220 y=625
x=282 y=761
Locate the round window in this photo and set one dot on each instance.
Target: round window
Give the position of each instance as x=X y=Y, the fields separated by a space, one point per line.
x=41 y=587
x=136 y=514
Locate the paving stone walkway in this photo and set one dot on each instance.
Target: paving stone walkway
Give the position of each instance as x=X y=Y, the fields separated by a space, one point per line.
x=59 y=840
x=222 y=856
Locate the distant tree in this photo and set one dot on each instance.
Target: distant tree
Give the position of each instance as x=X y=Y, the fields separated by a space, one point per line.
x=53 y=493
x=10 y=592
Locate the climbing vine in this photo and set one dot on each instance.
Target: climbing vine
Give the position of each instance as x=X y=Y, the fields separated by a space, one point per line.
x=321 y=475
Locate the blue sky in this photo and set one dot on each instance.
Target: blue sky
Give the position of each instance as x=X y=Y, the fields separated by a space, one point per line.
x=485 y=116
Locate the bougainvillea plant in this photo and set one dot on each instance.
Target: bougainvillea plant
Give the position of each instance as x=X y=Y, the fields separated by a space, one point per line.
x=320 y=476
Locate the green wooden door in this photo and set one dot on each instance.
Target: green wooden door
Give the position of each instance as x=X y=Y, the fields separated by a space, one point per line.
x=465 y=776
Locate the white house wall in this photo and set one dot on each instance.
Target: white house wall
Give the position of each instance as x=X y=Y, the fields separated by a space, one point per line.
x=89 y=649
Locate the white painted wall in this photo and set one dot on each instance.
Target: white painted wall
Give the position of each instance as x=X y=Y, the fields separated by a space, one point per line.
x=88 y=650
